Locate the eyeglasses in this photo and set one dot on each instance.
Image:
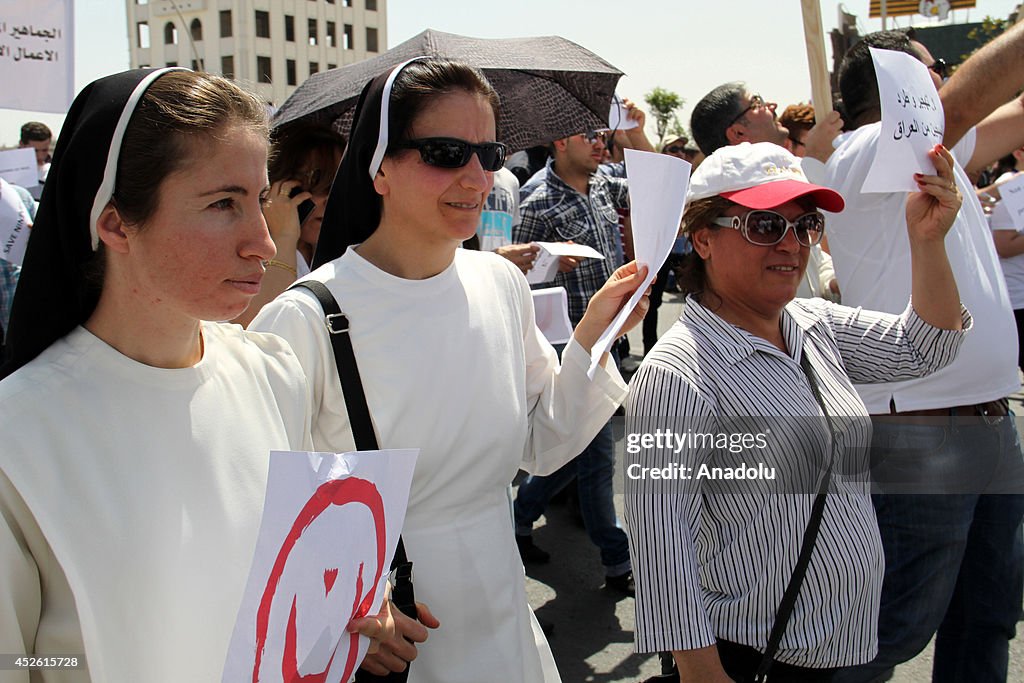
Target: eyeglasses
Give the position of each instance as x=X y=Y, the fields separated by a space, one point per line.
x=756 y=103
x=674 y=149
x=595 y=135
x=455 y=153
x=940 y=68
x=766 y=228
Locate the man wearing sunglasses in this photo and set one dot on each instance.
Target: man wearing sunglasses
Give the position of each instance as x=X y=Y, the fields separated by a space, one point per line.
x=954 y=561
x=572 y=202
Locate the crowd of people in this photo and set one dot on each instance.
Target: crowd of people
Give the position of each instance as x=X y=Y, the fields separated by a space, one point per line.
x=156 y=350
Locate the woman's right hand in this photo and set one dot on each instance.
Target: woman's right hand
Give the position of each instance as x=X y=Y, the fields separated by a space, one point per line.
x=395 y=652
x=931 y=212
x=281 y=212
x=700 y=666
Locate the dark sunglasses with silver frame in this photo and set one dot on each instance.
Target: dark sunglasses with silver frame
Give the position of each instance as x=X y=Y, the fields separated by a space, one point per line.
x=456 y=153
x=767 y=228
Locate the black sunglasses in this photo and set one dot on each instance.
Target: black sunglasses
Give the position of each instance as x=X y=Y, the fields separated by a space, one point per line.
x=757 y=103
x=940 y=68
x=455 y=153
x=767 y=228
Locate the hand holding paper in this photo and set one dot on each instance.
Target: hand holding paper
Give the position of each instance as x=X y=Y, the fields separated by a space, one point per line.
x=548 y=261
x=912 y=122
x=398 y=648
x=620 y=304
x=330 y=526
x=657 y=192
x=932 y=210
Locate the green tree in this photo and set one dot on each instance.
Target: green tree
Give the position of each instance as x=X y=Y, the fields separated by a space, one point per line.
x=990 y=28
x=663 y=105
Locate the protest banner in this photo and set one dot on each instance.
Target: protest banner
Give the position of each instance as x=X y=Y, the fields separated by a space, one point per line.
x=37 y=55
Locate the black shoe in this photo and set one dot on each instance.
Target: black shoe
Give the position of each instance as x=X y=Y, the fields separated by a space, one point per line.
x=530 y=553
x=622 y=583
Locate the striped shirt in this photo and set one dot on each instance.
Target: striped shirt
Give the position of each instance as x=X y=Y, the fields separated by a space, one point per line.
x=713 y=565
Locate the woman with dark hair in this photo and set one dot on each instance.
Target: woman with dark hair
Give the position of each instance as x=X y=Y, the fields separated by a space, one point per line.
x=302 y=163
x=714 y=557
x=451 y=362
x=136 y=434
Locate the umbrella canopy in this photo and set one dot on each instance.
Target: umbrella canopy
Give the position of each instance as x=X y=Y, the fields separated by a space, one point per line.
x=550 y=87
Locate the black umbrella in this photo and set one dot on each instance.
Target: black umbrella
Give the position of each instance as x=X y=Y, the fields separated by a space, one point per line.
x=550 y=87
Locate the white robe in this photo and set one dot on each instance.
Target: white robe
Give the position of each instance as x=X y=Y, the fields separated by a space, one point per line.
x=454 y=365
x=130 y=500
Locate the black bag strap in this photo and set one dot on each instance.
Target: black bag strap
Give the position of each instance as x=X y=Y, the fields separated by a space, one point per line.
x=358 y=413
x=788 y=601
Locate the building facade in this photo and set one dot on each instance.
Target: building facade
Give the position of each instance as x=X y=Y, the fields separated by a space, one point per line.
x=269 y=46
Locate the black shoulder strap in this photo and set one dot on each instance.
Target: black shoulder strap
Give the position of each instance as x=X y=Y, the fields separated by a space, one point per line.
x=351 y=384
x=788 y=601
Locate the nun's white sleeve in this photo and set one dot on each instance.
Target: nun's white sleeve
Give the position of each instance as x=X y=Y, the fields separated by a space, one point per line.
x=566 y=408
x=20 y=586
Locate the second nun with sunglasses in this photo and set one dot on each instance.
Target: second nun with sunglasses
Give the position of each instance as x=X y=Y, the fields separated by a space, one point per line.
x=451 y=363
x=712 y=569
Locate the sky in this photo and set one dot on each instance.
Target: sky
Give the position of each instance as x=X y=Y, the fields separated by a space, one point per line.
x=687 y=46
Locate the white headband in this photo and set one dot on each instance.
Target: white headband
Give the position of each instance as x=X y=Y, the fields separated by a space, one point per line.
x=382 y=134
x=106 y=189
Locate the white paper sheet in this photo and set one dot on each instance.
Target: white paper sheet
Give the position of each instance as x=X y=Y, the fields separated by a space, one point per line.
x=330 y=526
x=37 y=55
x=551 y=308
x=18 y=167
x=1012 y=193
x=618 y=117
x=912 y=123
x=14 y=225
x=545 y=265
x=657 y=192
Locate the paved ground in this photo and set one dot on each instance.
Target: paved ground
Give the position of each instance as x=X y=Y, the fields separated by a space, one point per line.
x=593 y=627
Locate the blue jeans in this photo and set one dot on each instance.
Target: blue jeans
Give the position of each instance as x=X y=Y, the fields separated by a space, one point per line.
x=594 y=469
x=953 y=562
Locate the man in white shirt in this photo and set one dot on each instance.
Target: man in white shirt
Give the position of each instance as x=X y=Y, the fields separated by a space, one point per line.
x=953 y=562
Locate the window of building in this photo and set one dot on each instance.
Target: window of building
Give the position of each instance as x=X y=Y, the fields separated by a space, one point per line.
x=331 y=66
x=171 y=64
x=332 y=34
x=198 y=65
x=312 y=32
x=314 y=67
x=262 y=24
x=170 y=34
x=141 y=2
x=225 y=23
x=142 y=34
x=227 y=66
x=289 y=28
x=263 y=74
x=196 y=28
x=289 y=70
x=346 y=3
x=371 y=39
x=371 y=5
x=346 y=38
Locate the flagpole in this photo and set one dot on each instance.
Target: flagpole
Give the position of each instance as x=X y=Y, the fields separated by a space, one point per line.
x=814 y=39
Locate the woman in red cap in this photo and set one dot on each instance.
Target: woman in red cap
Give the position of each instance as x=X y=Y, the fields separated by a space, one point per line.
x=751 y=395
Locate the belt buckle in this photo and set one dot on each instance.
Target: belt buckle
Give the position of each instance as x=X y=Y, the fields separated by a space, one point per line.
x=984 y=411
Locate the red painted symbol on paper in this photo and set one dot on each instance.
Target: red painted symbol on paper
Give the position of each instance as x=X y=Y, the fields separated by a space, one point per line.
x=337 y=493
